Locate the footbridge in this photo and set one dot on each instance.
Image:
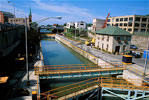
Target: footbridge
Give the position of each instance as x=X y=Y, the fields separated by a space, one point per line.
x=98 y=84
x=77 y=70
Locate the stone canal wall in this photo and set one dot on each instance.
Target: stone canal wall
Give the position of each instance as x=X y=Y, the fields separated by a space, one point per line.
x=87 y=55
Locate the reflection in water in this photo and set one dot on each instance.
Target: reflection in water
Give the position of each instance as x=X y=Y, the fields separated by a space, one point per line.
x=57 y=54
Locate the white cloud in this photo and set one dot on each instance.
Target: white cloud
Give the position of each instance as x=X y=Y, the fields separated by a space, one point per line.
x=69 y=13
x=64 y=8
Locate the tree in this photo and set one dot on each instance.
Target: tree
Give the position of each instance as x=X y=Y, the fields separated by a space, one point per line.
x=65 y=24
x=89 y=24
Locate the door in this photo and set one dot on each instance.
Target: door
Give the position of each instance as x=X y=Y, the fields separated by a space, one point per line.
x=117 y=49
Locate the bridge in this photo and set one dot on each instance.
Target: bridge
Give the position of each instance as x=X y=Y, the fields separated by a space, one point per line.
x=77 y=70
x=97 y=84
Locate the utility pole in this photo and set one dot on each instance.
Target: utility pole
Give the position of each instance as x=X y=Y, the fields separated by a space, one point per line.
x=75 y=33
x=27 y=69
x=145 y=65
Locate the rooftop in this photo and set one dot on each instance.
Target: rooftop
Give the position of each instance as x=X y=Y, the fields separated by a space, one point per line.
x=112 y=31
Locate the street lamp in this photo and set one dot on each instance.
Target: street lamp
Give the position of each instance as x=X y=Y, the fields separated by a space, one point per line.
x=13 y=6
x=39 y=21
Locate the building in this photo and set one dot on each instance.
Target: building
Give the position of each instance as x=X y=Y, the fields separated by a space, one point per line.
x=98 y=24
x=4 y=16
x=77 y=25
x=70 y=25
x=80 y=25
x=21 y=21
x=113 y=40
x=131 y=23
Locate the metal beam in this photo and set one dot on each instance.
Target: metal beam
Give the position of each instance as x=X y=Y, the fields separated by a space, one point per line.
x=114 y=93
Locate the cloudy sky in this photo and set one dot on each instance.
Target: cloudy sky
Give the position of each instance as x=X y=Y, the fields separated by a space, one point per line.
x=75 y=10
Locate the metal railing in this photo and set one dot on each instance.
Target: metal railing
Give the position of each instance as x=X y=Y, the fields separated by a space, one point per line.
x=76 y=68
x=75 y=89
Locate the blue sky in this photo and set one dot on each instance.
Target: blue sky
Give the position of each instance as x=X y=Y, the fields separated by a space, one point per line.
x=75 y=10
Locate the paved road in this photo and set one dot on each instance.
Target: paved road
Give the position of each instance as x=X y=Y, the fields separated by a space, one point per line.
x=111 y=57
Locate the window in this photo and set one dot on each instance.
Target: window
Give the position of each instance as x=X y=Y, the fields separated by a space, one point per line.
x=129 y=24
x=107 y=38
x=142 y=30
x=144 y=19
x=130 y=18
x=98 y=38
x=124 y=47
x=147 y=30
x=125 y=19
x=125 y=24
x=117 y=19
x=107 y=46
x=135 y=30
x=137 y=24
x=121 y=19
x=116 y=24
x=125 y=37
x=103 y=37
x=148 y=25
x=118 y=38
x=108 y=20
x=108 y=24
x=121 y=24
x=125 y=29
x=129 y=29
x=137 y=19
x=143 y=25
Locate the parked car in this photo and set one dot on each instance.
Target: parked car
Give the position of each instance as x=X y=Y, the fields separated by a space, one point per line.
x=133 y=47
x=135 y=54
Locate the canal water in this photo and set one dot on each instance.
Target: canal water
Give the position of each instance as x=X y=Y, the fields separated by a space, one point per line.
x=56 y=53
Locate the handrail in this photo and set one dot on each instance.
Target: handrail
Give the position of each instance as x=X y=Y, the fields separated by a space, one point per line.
x=76 y=68
x=109 y=82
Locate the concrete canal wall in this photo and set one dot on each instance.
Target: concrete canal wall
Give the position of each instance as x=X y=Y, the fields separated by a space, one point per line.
x=87 y=55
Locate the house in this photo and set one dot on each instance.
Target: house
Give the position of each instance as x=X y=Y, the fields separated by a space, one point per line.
x=70 y=25
x=80 y=25
x=113 y=40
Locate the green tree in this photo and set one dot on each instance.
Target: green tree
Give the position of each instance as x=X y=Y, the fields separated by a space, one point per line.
x=89 y=24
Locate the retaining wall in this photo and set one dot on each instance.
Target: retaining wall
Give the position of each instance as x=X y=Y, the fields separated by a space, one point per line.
x=87 y=55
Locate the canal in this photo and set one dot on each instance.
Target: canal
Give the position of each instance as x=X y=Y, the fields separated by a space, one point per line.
x=56 y=53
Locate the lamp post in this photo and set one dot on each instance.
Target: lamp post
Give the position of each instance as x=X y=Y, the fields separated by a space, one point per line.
x=26 y=46
x=13 y=7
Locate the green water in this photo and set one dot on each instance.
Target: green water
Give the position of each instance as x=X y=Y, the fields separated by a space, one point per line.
x=56 y=53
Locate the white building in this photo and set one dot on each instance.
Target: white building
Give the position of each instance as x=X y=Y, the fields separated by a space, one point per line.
x=80 y=25
x=70 y=25
x=113 y=40
x=98 y=24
